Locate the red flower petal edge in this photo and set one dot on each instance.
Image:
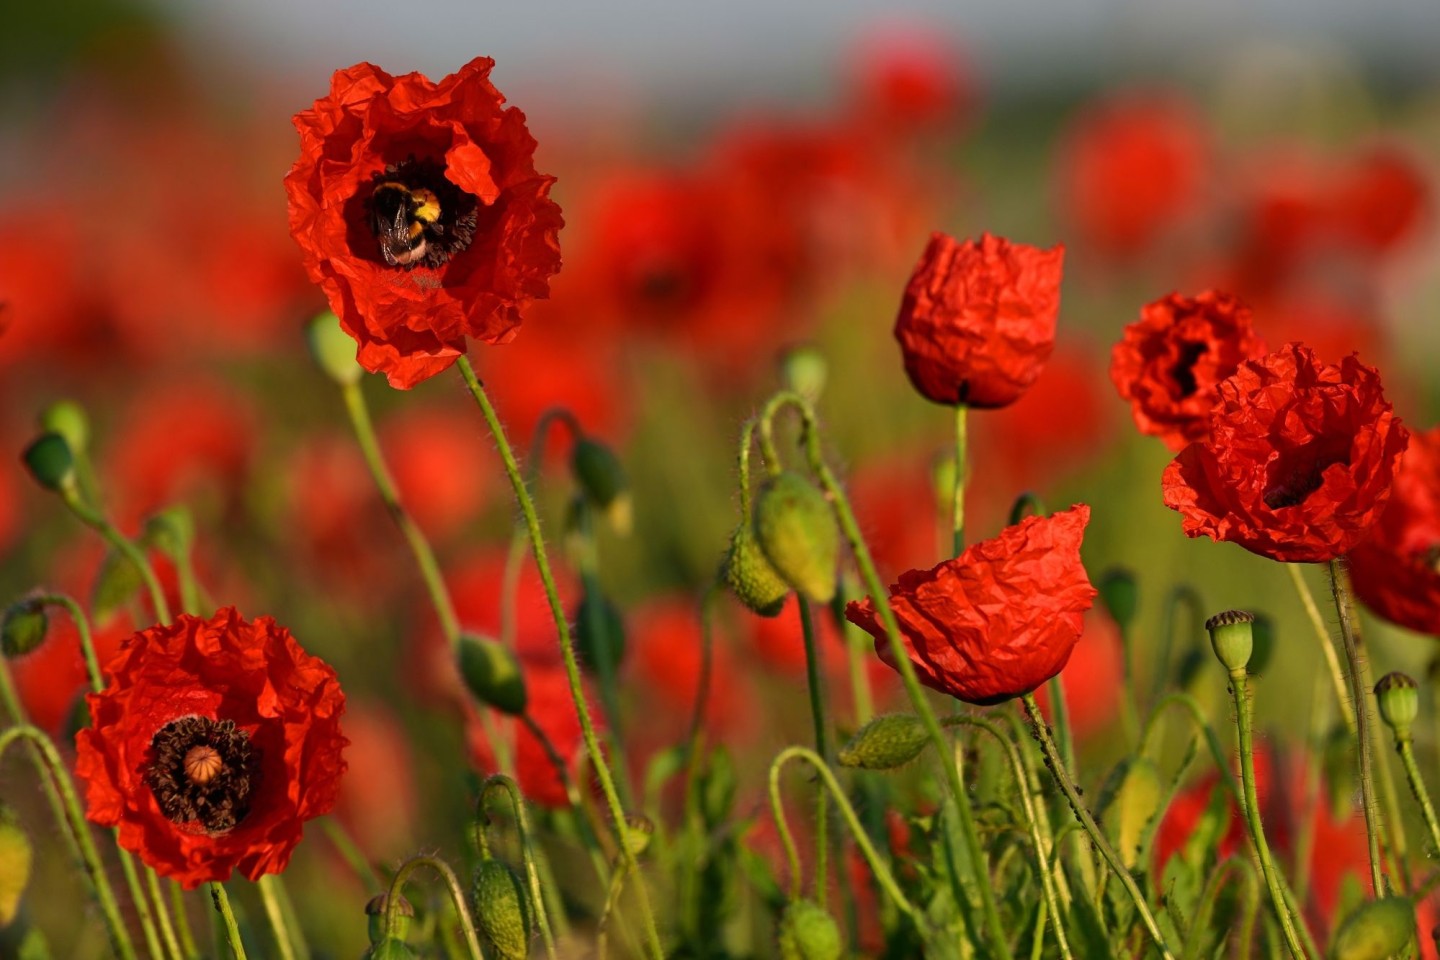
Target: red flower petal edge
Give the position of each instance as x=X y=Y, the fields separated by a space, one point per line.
x=1396 y=569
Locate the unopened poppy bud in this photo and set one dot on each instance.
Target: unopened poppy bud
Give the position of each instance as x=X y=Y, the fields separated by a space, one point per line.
x=750 y=576
x=23 y=628
x=797 y=533
x=1231 y=638
x=170 y=531
x=50 y=461
x=1399 y=698
x=807 y=932
x=598 y=472
x=1120 y=595
x=888 y=741
x=1132 y=807
x=492 y=674
x=1262 y=633
x=596 y=614
x=803 y=369
x=637 y=833
x=15 y=859
x=1376 y=930
x=332 y=349
x=375 y=910
x=67 y=418
x=391 y=948
x=502 y=910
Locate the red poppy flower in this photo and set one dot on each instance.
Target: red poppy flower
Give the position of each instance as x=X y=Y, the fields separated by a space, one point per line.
x=1396 y=569
x=439 y=465
x=977 y=321
x=998 y=620
x=1299 y=461
x=908 y=78
x=212 y=744
x=1169 y=362
x=419 y=212
x=1379 y=199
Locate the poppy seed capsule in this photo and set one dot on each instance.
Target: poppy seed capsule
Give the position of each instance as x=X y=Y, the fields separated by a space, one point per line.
x=50 y=461
x=332 y=349
x=1376 y=930
x=807 y=932
x=796 y=531
x=16 y=856
x=888 y=741
x=1399 y=698
x=750 y=576
x=502 y=911
x=492 y=674
x=1231 y=638
x=375 y=910
x=24 y=628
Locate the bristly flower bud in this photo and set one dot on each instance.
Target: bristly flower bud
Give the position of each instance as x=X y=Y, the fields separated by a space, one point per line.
x=807 y=932
x=492 y=673
x=803 y=369
x=23 y=628
x=750 y=576
x=1399 y=698
x=598 y=472
x=375 y=910
x=16 y=856
x=637 y=833
x=502 y=910
x=1376 y=930
x=888 y=741
x=1120 y=595
x=50 y=461
x=1231 y=638
x=332 y=349
x=67 y=418
x=796 y=531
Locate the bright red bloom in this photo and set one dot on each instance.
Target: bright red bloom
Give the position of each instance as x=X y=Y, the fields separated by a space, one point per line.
x=212 y=744
x=977 y=322
x=1396 y=569
x=419 y=212
x=1299 y=461
x=997 y=621
x=1169 y=362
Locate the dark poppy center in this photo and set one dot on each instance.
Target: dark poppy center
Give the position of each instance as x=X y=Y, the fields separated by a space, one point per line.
x=1296 y=474
x=418 y=217
x=1183 y=372
x=203 y=771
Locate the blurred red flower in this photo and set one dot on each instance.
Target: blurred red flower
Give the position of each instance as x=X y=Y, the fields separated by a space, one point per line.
x=418 y=210
x=439 y=460
x=1396 y=569
x=1379 y=199
x=997 y=621
x=1169 y=362
x=1299 y=461
x=977 y=321
x=381 y=819
x=211 y=745
x=907 y=79
x=1093 y=676
x=898 y=509
x=664 y=666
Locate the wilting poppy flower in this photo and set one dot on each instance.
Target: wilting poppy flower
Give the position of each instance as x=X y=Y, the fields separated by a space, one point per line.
x=212 y=744
x=1299 y=461
x=977 y=321
x=1169 y=362
x=1396 y=569
x=998 y=620
x=419 y=212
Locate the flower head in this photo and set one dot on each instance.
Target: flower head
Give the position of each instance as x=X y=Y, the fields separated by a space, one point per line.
x=998 y=620
x=1299 y=461
x=213 y=742
x=419 y=213
x=977 y=322
x=1169 y=362
x=1396 y=569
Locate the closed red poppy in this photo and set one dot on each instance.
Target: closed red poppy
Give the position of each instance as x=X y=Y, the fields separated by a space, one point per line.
x=997 y=621
x=212 y=744
x=1299 y=462
x=977 y=321
x=419 y=213
x=1396 y=569
x=1168 y=362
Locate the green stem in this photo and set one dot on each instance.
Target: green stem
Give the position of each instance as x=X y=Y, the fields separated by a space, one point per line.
x=1197 y=718
x=958 y=493
x=350 y=852
x=1060 y=710
x=182 y=921
x=1322 y=634
x=452 y=884
x=1406 y=748
x=612 y=904
x=815 y=681
x=527 y=853
x=572 y=794
x=1181 y=594
x=1208 y=897
x=97 y=522
x=857 y=648
x=162 y=915
x=221 y=900
x=289 y=940
x=567 y=648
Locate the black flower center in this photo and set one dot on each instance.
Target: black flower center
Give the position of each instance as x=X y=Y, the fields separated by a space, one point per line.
x=1183 y=372
x=1295 y=474
x=418 y=217
x=203 y=771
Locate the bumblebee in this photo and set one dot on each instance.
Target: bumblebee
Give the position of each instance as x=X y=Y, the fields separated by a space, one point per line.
x=407 y=220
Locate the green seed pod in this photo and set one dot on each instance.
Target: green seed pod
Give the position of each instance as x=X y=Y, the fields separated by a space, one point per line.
x=23 y=628
x=492 y=674
x=1262 y=633
x=67 y=418
x=1120 y=595
x=807 y=932
x=1134 y=805
x=888 y=741
x=333 y=349
x=1232 y=638
x=50 y=461
x=599 y=474
x=1399 y=698
x=15 y=859
x=587 y=644
x=750 y=576
x=796 y=531
x=375 y=910
x=803 y=369
x=1376 y=930
x=502 y=910
x=391 y=949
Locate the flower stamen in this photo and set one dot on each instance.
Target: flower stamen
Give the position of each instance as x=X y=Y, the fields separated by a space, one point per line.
x=203 y=771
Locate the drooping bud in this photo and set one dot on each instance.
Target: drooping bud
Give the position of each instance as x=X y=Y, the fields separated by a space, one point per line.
x=750 y=576
x=807 y=932
x=597 y=613
x=171 y=531
x=492 y=673
x=1399 y=698
x=502 y=910
x=1376 y=930
x=375 y=910
x=67 y=418
x=1120 y=595
x=637 y=833
x=888 y=741
x=797 y=533
x=803 y=369
x=16 y=856
x=23 y=628
x=1262 y=633
x=50 y=461
x=1231 y=638
x=598 y=472
x=332 y=349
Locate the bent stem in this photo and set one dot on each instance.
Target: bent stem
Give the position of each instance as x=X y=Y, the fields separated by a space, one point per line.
x=567 y=647
x=227 y=916
x=1322 y=634
x=96 y=521
x=527 y=853
x=1406 y=748
x=452 y=884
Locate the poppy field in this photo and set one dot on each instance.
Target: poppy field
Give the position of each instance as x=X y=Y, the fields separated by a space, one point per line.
x=932 y=520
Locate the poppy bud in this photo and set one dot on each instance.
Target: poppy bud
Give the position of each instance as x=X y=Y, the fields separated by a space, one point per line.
x=1376 y=930
x=1399 y=698
x=15 y=859
x=750 y=576
x=23 y=628
x=888 y=741
x=807 y=932
x=50 y=461
x=492 y=674
x=375 y=910
x=67 y=418
x=596 y=609
x=502 y=910
x=1262 y=633
x=1232 y=638
x=1119 y=594
x=332 y=349
x=391 y=949
x=598 y=472
x=797 y=533
x=803 y=369
x=1133 y=806
x=637 y=833
x=170 y=531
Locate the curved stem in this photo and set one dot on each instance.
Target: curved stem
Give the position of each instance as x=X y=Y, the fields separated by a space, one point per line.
x=527 y=852
x=957 y=503
x=162 y=916
x=1406 y=749
x=1211 y=892
x=612 y=903
x=289 y=942
x=1185 y=594
x=1197 y=717
x=1322 y=634
x=350 y=851
x=97 y=522
x=457 y=897
x=227 y=916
